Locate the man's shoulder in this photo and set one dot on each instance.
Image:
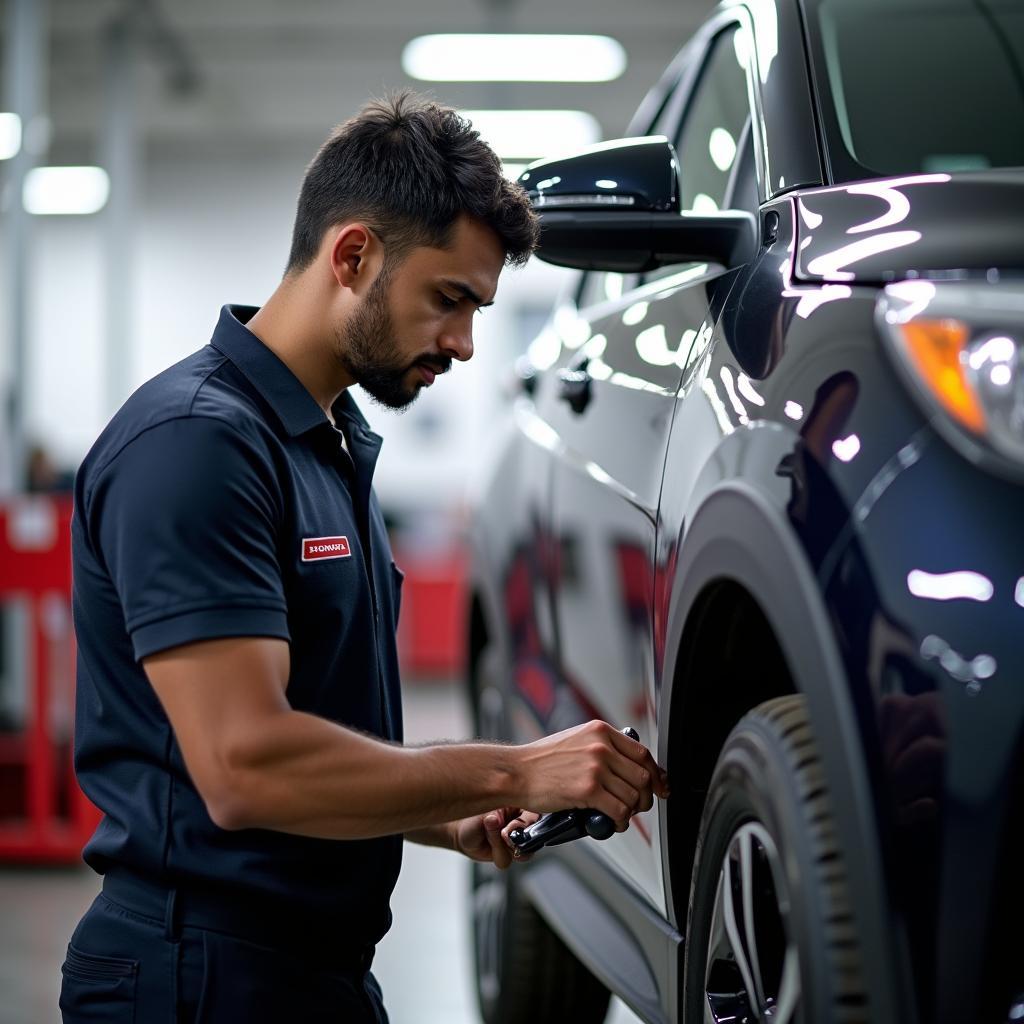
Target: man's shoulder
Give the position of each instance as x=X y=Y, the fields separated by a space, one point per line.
x=203 y=387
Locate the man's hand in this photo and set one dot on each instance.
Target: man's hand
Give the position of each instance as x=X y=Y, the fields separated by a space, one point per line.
x=592 y=765
x=484 y=837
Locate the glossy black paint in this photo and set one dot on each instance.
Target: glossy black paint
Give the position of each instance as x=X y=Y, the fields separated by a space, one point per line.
x=735 y=511
x=646 y=177
x=889 y=229
x=627 y=242
x=631 y=223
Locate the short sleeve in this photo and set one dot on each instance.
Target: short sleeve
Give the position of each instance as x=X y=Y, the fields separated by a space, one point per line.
x=185 y=518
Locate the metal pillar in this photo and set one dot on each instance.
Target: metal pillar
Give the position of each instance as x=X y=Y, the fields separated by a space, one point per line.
x=120 y=155
x=139 y=25
x=25 y=66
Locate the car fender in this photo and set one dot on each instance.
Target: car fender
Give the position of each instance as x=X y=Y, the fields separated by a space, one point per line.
x=741 y=534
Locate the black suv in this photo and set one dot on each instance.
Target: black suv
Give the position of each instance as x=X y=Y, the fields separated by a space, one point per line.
x=762 y=501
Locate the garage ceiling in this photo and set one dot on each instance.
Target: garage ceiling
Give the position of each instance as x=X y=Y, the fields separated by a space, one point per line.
x=273 y=74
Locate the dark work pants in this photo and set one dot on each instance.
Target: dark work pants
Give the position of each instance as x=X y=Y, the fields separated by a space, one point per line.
x=126 y=968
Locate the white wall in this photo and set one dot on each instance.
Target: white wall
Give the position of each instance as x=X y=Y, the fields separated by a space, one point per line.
x=217 y=230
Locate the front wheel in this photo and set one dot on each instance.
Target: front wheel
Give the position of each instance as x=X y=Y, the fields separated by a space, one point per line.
x=770 y=934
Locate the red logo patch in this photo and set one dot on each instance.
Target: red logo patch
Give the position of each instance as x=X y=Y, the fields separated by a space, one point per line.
x=315 y=548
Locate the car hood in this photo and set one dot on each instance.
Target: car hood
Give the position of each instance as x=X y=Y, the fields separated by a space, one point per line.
x=928 y=225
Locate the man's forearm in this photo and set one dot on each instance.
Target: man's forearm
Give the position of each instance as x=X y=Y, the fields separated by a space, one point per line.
x=305 y=775
x=442 y=835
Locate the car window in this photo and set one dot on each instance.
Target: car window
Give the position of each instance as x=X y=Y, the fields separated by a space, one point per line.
x=715 y=143
x=715 y=149
x=600 y=286
x=713 y=127
x=940 y=89
x=596 y=286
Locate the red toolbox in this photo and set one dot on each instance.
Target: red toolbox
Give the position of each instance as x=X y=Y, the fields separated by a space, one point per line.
x=44 y=816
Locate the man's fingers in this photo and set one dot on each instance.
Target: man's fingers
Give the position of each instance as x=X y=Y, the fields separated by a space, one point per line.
x=514 y=819
x=624 y=793
x=639 y=755
x=639 y=779
x=500 y=853
x=511 y=827
x=517 y=819
x=607 y=802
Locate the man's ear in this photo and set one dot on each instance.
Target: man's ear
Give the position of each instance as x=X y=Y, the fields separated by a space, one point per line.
x=353 y=255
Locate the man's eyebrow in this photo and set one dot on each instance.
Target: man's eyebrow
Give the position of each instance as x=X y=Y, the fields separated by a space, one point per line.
x=463 y=289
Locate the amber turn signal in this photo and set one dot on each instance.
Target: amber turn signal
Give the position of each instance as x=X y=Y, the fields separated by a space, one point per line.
x=935 y=349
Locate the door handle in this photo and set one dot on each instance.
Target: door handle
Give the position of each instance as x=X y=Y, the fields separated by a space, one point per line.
x=574 y=387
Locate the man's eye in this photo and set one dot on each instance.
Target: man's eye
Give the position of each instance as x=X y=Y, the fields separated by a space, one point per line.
x=446 y=302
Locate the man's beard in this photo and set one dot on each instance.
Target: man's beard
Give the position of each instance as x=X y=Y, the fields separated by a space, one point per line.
x=366 y=350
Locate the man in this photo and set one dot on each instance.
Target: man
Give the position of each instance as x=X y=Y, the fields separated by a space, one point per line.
x=239 y=717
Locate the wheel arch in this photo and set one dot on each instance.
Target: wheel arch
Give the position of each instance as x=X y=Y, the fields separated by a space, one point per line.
x=739 y=544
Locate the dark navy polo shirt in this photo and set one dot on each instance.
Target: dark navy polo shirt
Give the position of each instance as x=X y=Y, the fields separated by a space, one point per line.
x=220 y=502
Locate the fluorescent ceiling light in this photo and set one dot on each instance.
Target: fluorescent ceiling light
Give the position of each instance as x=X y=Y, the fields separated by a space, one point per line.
x=529 y=134
x=10 y=135
x=507 y=57
x=50 y=190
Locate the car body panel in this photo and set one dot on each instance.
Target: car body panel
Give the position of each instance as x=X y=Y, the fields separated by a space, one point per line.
x=946 y=710
x=749 y=426
x=605 y=497
x=921 y=225
x=642 y=953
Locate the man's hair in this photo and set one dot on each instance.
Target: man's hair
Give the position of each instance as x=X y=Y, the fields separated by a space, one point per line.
x=408 y=167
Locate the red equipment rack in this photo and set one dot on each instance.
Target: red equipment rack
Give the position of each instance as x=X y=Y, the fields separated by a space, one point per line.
x=431 y=628
x=44 y=816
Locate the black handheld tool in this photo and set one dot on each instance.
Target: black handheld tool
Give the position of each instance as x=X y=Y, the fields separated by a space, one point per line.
x=564 y=826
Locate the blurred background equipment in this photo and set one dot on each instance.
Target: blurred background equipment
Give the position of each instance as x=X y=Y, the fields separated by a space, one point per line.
x=43 y=815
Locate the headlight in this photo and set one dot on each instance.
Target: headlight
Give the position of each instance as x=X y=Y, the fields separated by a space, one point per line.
x=962 y=347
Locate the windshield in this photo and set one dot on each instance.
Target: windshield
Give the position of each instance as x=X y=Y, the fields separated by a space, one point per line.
x=919 y=86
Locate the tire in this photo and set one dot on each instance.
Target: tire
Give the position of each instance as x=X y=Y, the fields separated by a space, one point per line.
x=768 y=864
x=524 y=972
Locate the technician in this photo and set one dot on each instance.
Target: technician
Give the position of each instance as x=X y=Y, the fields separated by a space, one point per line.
x=239 y=717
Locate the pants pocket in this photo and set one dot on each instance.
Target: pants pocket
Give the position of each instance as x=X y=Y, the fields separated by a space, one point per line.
x=97 y=988
x=247 y=982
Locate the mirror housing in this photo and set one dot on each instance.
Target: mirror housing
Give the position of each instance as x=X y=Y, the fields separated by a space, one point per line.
x=628 y=174
x=615 y=207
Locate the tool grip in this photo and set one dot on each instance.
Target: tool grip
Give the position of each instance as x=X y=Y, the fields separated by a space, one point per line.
x=598 y=825
x=564 y=826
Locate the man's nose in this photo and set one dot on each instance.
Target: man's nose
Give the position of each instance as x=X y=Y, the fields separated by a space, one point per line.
x=458 y=343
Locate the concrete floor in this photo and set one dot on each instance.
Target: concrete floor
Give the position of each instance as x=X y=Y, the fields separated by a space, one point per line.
x=424 y=964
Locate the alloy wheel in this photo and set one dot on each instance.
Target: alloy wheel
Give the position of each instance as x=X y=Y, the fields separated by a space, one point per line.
x=752 y=971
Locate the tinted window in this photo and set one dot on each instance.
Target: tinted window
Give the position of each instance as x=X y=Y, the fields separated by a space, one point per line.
x=712 y=130
x=714 y=144
x=599 y=286
x=924 y=85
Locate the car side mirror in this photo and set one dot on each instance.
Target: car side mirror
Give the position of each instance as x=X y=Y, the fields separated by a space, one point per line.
x=615 y=206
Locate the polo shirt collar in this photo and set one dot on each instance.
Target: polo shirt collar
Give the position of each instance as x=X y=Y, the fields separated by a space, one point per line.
x=296 y=408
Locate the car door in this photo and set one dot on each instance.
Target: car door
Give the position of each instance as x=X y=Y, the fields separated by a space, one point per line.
x=617 y=397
